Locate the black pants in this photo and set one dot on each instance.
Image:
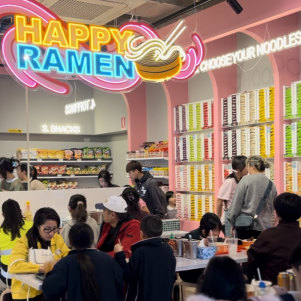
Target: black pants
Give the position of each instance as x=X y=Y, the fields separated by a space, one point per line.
x=245 y=234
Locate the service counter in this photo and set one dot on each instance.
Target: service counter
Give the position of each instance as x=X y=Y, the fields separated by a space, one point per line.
x=58 y=199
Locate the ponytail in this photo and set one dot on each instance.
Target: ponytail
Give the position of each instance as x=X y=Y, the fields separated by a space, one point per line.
x=89 y=286
x=80 y=213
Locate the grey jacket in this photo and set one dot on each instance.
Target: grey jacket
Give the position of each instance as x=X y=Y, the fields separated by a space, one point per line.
x=90 y=221
x=247 y=196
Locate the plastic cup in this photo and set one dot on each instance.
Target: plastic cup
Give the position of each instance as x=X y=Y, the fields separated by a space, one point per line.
x=48 y=266
x=212 y=240
x=232 y=246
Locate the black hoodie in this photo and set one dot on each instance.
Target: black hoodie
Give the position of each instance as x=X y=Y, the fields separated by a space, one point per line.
x=152 y=194
x=150 y=273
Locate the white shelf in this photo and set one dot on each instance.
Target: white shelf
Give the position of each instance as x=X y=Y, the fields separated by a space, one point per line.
x=246 y=125
x=194 y=192
x=68 y=161
x=195 y=162
x=208 y=130
x=148 y=159
x=67 y=177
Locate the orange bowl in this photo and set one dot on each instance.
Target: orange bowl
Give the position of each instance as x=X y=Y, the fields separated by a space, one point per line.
x=247 y=243
x=221 y=248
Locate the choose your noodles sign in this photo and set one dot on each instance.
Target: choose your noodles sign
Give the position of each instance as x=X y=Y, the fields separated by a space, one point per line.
x=41 y=50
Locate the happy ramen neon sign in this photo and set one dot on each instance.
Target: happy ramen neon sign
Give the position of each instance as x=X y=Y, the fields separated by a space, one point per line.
x=39 y=49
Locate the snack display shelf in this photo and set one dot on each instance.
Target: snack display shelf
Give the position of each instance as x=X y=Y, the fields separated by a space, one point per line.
x=239 y=126
x=69 y=161
x=67 y=177
x=208 y=130
x=195 y=162
x=147 y=159
x=195 y=192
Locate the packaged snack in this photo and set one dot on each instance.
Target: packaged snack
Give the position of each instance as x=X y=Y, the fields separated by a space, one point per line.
x=44 y=170
x=38 y=168
x=51 y=154
x=84 y=171
x=97 y=152
x=106 y=152
x=88 y=153
x=76 y=170
x=59 y=154
x=42 y=154
x=68 y=154
x=61 y=169
x=73 y=185
x=92 y=170
x=69 y=170
x=77 y=153
x=52 y=185
x=53 y=170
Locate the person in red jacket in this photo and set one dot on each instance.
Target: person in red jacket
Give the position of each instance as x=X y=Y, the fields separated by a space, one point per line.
x=118 y=226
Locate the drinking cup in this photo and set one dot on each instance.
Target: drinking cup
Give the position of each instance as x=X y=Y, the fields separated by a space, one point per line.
x=48 y=266
x=232 y=246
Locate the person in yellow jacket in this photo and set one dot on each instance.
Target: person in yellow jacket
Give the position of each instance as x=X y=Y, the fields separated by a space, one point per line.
x=13 y=227
x=42 y=235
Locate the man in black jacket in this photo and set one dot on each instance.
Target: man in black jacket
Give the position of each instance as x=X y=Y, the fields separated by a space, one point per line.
x=148 y=189
x=150 y=273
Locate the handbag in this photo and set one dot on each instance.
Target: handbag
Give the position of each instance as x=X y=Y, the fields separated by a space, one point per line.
x=6 y=295
x=40 y=256
x=246 y=220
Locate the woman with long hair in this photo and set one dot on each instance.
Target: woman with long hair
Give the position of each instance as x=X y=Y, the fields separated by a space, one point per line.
x=35 y=184
x=223 y=280
x=13 y=227
x=131 y=196
x=86 y=273
x=9 y=181
x=248 y=195
x=78 y=209
x=42 y=235
x=104 y=179
x=226 y=191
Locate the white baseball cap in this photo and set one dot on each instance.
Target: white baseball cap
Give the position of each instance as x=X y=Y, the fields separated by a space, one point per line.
x=113 y=203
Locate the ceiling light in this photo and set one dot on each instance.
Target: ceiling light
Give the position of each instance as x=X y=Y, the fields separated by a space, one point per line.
x=235 y=6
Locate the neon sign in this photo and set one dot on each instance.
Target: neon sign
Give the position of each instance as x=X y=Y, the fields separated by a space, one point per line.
x=80 y=106
x=39 y=49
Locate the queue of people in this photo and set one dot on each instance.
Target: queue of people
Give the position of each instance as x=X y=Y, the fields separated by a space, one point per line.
x=134 y=262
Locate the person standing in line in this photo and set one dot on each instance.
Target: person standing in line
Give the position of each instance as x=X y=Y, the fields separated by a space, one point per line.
x=13 y=227
x=131 y=196
x=104 y=179
x=9 y=181
x=171 y=205
x=148 y=189
x=226 y=191
x=78 y=209
x=117 y=226
x=35 y=184
x=249 y=192
x=150 y=272
x=85 y=274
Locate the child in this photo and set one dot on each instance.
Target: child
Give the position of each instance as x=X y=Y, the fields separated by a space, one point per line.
x=150 y=273
x=171 y=205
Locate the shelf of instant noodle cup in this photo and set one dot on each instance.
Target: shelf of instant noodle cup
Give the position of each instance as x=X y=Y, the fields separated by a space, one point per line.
x=147 y=158
x=68 y=161
x=200 y=131
x=229 y=127
x=67 y=176
x=195 y=162
x=292 y=119
x=195 y=192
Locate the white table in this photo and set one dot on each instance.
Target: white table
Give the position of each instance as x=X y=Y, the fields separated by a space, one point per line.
x=185 y=264
x=30 y=280
x=175 y=233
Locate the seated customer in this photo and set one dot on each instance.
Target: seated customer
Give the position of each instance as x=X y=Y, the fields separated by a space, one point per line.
x=85 y=274
x=223 y=280
x=273 y=248
x=210 y=224
x=150 y=273
x=117 y=226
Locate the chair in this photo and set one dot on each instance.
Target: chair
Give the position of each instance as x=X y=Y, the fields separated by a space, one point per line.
x=180 y=295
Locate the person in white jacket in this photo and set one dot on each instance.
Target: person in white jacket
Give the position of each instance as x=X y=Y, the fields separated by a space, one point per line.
x=78 y=209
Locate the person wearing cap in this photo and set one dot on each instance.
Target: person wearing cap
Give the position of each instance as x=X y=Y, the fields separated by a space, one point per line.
x=118 y=226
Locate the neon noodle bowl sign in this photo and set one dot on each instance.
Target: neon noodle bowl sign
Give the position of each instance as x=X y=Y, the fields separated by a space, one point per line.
x=41 y=50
